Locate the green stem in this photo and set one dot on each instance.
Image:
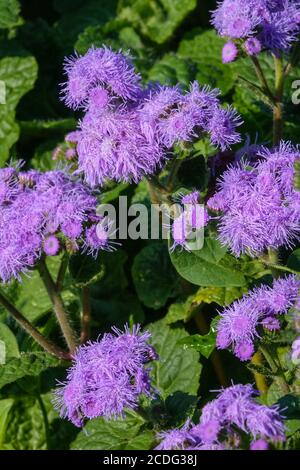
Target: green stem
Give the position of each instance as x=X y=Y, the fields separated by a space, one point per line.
x=278 y=267
x=260 y=379
x=32 y=331
x=58 y=306
x=86 y=315
x=262 y=79
x=176 y=164
x=275 y=369
x=62 y=272
x=278 y=106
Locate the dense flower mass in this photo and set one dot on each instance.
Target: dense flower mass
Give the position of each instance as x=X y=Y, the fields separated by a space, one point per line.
x=107 y=377
x=259 y=24
x=260 y=205
x=222 y=421
x=37 y=207
x=128 y=132
x=243 y=321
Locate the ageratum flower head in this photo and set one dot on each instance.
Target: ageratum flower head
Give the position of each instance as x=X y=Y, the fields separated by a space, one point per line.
x=107 y=376
x=260 y=207
x=112 y=146
x=99 y=76
x=235 y=411
x=260 y=24
x=183 y=117
x=35 y=211
x=243 y=321
x=128 y=132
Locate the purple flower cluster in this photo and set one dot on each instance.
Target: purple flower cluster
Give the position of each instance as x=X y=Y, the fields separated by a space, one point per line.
x=222 y=421
x=257 y=24
x=127 y=131
x=38 y=212
x=194 y=217
x=106 y=377
x=260 y=206
x=240 y=322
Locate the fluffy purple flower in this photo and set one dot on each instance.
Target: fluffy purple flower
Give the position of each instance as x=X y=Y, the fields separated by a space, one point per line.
x=51 y=245
x=229 y=52
x=275 y=25
x=252 y=46
x=99 y=69
x=222 y=127
x=113 y=146
x=260 y=444
x=222 y=421
x=182 y=117
x=107 y=376
x=240 y=322
x=128 y=132
x=236 y=18
x=260 y=206
x=35 y=208
x=174 y=439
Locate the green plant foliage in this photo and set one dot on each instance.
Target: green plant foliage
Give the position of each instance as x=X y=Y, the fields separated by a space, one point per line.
x=175 y=294
x=18 y=75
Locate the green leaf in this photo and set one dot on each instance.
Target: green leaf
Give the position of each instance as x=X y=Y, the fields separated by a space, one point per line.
x=290 y=405
x=9 y=14
x=203 y=344
x=114 y=193
x=76 y=17
x=25 y=430
x=220 y=295
x=294 y=260
x=18 y=75
x=153 y=275
x=28 y=364
x=5 y=407
x=156 y=19
x=180 y=406
x=204 y=49
x=178 y=311
x=178 y=369
x=100 y=434
x=210 y=266
x=171 y=70
x=85 y=269
x=10 y=345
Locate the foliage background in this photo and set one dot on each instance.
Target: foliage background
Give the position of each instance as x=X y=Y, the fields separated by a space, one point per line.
x=171 y=41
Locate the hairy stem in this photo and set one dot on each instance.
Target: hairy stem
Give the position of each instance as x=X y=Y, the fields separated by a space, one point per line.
x=260 y=380
x=276 y=369
x=278 y=106
x=62 y=271
x=86 y=315
x=58 y=306
x=262 y=79
x=176 y=164
x=278 y=267
x=32 y=331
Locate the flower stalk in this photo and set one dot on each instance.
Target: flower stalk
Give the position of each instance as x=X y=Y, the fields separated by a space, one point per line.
x=45 y=343
x=58 y=306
